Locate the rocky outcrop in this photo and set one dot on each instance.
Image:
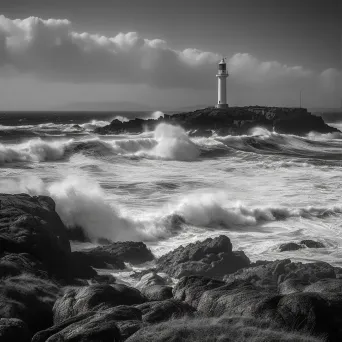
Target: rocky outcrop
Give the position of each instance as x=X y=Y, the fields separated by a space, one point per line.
x=233 y=120
x=157 y=292
x=31 y=225
x=293 y=246
x=113 y=256
x=211 y=258
x=84 y=299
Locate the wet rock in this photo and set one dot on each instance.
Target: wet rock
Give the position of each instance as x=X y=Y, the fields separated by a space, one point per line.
x=128 y=328
x=12 y=329
x=325 y=286
x=157 y=292
x=224 y=329
x=81 y=300
x=312 y=244
x=211 y=257
x=291 y=286
x=290 y=246
x=154 y=312
x=29 y=299
x=31 y=225
x=114 y=255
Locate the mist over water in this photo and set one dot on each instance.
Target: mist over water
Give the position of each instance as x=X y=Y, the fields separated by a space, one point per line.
x=165 y=188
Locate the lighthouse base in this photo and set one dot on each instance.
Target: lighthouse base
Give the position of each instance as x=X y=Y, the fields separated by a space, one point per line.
x=222 y=105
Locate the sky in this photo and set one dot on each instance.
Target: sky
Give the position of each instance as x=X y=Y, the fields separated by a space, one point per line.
x=164 y=54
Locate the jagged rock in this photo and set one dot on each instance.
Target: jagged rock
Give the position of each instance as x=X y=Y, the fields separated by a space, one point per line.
x=128 y=328
x=29 y=299
x=270 y=274
x=211 y=258
x=12 y=329
x=19 y=263
x=114 y=255
x=157 y=292
x=325 y=286
x=154 y=312
x=81 y=300
x=31 y=225
x=233 y=121
x=223 y=329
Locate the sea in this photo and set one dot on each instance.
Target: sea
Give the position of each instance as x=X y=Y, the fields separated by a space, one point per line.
x=167 y=189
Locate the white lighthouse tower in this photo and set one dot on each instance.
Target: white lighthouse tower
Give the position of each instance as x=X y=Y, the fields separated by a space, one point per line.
x=222 y=75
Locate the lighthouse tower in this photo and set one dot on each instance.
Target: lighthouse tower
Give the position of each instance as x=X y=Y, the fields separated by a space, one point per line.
x=222 y=75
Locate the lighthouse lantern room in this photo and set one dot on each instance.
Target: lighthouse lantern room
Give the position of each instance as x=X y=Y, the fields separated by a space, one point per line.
x=222 y=75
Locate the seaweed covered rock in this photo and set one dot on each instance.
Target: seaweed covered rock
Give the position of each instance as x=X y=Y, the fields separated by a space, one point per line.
x=81 y=300
x=31 y=225
x=211 y=258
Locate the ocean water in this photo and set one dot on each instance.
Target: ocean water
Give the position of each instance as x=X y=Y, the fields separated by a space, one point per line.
x=166 y=189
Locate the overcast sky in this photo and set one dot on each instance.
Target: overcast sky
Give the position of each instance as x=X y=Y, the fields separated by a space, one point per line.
x=165 y=53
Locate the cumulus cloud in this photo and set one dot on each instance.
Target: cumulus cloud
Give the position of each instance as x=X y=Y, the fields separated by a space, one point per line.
x=52 y=50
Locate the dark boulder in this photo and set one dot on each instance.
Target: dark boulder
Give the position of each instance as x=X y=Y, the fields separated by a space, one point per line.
x=31 y=225
x=105 y=279
x=223 y=329
x=290 y=246
x=325 y=286
x=126 y=318
x=12 y=330
x=150 y=279
x=270 y=274
x=81 y=300
x=312 y=244
x=157 y=292
x=113 y=256
x=94 y=326
x=154 y=312
x=29 y=299
x=211 y=258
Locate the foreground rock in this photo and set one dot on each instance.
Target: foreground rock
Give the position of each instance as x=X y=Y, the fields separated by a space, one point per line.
x=233 y=120
x=12 y=329
x=31 y=225
x=113 y=324
x=211 y=258
x=29 y=299
x=84 y=299
x=224 y=329
x=319 y=313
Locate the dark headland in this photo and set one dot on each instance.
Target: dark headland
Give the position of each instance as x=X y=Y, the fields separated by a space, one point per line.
x=230 y=121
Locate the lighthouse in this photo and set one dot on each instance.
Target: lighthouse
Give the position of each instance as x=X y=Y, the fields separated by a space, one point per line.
x=222 y=75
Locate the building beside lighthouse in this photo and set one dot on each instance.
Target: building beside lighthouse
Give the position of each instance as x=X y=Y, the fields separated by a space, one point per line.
x=222 y=75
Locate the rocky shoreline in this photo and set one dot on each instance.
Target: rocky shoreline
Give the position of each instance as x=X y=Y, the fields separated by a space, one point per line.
x=230 y=121
x=49 y=293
